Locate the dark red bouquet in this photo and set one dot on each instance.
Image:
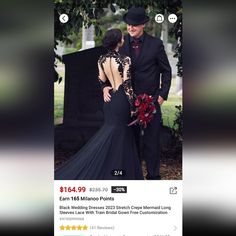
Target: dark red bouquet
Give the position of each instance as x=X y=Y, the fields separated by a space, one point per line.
x=144 y=110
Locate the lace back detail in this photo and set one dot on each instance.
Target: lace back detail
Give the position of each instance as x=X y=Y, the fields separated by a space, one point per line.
x=123 y=65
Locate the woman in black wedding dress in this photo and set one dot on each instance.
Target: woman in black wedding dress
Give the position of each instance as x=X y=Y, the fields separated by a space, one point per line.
x=111 y=154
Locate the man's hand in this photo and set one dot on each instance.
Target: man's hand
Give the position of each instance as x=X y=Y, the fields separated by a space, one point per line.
x=160 y=100
x=106 y=94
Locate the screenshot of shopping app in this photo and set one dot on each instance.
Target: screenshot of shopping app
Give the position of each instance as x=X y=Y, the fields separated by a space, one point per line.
x=118 y=118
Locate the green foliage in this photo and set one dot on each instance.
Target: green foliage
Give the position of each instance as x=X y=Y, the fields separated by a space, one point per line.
x=173 y=149
x=88 y=12
x=178 y=123
x=176 y=31
x=168 y=109
x=177 y=133
x=108 y=21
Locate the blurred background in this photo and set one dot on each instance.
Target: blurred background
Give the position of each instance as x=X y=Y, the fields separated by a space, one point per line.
x=27 y=117
x=209 y=117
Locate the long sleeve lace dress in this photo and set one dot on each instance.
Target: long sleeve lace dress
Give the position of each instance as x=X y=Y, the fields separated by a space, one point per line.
x=111 y=154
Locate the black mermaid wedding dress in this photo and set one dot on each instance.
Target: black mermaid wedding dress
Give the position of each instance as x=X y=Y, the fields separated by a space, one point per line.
x=111 y=154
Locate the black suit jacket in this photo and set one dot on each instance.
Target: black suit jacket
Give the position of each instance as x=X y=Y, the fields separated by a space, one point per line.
x=151 y=71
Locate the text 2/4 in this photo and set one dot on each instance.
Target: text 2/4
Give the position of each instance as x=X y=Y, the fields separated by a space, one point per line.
x=118 y=173
x=72 y=189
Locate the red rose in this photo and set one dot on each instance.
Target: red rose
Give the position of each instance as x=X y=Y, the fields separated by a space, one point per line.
x=137 y=102
x=152 y=109
x=149 y=99
x=145 y=109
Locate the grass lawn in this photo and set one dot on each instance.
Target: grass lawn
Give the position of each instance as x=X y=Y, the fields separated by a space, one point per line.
x=58 y=102
x=168 y=108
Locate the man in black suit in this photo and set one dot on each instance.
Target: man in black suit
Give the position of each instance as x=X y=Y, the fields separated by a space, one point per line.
x=151 y=74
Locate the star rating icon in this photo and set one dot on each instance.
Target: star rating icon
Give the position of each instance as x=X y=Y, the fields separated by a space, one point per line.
x=85 y=227
x=73 y=227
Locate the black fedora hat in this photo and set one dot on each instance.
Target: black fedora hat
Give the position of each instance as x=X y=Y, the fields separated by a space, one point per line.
x=136 y=16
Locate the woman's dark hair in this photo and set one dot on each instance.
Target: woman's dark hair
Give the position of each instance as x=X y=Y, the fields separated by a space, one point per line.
x=111 y=39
